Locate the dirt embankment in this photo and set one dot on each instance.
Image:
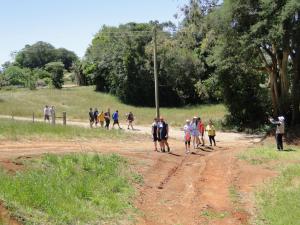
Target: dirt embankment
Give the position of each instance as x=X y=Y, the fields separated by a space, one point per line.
x=178 y=189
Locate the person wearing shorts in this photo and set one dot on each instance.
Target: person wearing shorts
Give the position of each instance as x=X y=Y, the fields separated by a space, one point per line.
x=154 y=133
x=163 y=134
x=115 y=117
x=194 y=132
x=187 y=136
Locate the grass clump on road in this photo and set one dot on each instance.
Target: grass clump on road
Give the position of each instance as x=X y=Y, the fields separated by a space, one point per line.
x=279 y=201
x=76 y=102
x=15 y=130
x=70 y=189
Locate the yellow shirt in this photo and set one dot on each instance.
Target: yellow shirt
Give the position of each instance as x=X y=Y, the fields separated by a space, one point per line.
x=210 y=129
x=101 y=117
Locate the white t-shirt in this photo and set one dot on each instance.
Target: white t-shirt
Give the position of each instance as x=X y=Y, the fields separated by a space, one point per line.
x=47 y=111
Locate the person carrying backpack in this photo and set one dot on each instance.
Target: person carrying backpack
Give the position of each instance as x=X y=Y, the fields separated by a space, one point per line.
x=115 y=117
x=163 y=134
x=96 y=113
x=130 y=119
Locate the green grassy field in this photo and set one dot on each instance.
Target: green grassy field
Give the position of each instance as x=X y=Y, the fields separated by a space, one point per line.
x=278 y=201
x=71 y=189
x=76 y=102
x=16 y=130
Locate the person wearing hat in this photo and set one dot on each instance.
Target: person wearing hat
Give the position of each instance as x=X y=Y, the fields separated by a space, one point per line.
x=280 y=128
x=187 y=136
x=195 y=132
x=163 y=134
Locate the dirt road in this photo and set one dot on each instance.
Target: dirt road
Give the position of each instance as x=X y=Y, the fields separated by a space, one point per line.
x=178 y=188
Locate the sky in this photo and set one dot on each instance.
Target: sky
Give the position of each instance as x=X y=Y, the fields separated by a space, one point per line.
x=72 y=23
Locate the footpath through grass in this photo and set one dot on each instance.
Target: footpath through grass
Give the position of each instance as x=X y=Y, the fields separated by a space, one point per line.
x=77 y=101
x=71 y=189
x=278 y=201
x=16 y=130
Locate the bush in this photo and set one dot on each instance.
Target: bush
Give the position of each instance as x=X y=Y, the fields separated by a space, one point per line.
x=57 y=73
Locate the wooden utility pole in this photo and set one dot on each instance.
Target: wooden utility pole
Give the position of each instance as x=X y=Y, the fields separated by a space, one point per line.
x=155 y=73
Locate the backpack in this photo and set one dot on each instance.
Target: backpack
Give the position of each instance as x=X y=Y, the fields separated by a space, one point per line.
x=114 y=116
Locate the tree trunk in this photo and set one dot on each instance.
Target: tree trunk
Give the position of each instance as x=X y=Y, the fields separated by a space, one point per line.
x=296 y=88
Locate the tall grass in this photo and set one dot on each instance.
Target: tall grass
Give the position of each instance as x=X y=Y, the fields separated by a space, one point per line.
x=70 y=189
x=77 y=101
x=15 y=130
x=279 y=201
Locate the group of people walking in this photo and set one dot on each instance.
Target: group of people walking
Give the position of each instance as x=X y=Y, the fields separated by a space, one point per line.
x=103 y=118
x=193 y=132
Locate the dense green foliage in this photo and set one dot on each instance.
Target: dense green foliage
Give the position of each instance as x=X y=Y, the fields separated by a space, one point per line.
x=120 y=61
x=34 y=66
x=70 y=189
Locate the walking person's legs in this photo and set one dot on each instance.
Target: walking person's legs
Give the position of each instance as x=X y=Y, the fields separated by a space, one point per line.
x=279 y=142
x=213 y=139
x=210 y=140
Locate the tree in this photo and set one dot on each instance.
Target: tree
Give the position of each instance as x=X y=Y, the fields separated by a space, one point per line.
x=36 y=55
x=57 y=72
x=66 y=57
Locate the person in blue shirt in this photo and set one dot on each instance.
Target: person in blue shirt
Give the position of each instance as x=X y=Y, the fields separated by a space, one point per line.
x=115 y=117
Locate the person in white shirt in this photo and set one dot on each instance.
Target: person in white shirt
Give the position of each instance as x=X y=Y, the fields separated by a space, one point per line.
x=47 y=113
x=187 y=136
x=280 y=129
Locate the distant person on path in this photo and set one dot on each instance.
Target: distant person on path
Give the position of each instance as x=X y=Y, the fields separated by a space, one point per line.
x=130 y=119
x=101 y=118
x=107 y=119
x=187 y=136
x=201 y=129
x=52 y=113
x=47 y=113
x=115 y=117
x=154 y=133
x=163 y=134
x=195 y=132
x=280 y=129
x=91 y=117
x=96 y=113
x=211 y=131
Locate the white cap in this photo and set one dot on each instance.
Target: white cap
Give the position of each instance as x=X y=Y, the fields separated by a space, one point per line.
x=280 y=118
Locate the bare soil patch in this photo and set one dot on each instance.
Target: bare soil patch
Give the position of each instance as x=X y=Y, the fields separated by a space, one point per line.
x=177 y=188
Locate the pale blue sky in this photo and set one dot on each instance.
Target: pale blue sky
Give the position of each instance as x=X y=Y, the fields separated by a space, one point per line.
x=72 y=23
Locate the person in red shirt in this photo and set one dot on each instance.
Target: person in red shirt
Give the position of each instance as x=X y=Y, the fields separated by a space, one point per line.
x=201 y=129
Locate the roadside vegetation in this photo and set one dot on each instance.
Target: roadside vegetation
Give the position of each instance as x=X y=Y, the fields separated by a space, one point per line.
x=70 y=189
x=277 y=201
x=77 y=101
x=18 y=130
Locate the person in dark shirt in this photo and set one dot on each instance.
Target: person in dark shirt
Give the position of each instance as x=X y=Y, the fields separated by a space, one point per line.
x=107 y=119
x=96 y=113
x=154 y=133
x=163 y=134
x=91 y=117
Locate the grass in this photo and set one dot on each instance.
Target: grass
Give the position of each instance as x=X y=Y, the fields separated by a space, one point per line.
x=70 y=189
x=279 y=201
x=212 y=215
x=16 y=130
x=76 y=102
x=267 y=153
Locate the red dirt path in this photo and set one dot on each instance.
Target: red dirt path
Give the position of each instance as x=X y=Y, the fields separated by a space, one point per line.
x=177 y=188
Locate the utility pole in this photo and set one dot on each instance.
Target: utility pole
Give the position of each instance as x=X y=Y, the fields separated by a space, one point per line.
x=155 y=72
